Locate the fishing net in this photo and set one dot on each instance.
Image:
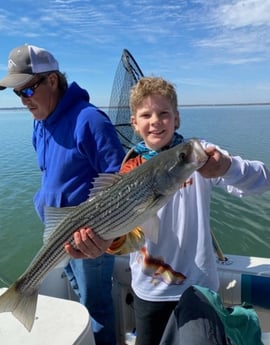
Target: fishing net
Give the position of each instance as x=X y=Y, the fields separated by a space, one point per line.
x=127 y=74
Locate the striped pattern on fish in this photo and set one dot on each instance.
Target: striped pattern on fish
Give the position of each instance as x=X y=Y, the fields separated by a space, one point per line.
x=118 y=203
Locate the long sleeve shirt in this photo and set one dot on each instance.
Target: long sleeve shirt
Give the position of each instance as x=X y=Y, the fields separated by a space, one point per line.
x=183 y=254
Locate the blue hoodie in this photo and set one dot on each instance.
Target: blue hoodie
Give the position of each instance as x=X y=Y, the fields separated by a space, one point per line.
x=73 y=145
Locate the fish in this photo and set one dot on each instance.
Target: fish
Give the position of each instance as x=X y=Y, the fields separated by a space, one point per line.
x=117 y=204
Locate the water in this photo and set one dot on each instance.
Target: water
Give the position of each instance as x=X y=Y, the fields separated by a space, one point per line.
x=242 y=226
x=20 y=228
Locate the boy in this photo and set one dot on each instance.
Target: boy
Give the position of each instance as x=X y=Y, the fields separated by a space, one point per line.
x=183 y=255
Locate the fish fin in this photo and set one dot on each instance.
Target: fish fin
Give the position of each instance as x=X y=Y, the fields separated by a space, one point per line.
x=22 y=306
x=53 y=217
x=104 y=181
x=150 y=228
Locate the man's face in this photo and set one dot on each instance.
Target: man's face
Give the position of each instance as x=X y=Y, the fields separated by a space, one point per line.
x=40 y=95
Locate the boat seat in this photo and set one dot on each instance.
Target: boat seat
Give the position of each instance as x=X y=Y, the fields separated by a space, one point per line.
x=58 y=321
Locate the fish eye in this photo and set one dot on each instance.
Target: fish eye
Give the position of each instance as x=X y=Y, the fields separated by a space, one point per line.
x=182 y=156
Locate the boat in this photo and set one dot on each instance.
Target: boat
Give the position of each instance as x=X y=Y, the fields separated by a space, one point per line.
x=62 y=320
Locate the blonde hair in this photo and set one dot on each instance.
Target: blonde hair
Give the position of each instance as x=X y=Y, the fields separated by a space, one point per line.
x=148 y=86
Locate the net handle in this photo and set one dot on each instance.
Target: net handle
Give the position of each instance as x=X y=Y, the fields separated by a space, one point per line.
x=137 y=72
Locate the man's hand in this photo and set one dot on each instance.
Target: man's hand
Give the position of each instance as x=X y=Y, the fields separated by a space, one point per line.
x=87 y=245
x=217 y=164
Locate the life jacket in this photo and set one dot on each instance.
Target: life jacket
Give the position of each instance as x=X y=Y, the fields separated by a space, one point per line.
x=130 y=154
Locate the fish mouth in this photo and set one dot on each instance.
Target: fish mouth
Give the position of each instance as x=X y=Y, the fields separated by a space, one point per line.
x=198 y=154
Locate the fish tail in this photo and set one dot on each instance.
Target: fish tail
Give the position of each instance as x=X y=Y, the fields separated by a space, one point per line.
x=22 y=306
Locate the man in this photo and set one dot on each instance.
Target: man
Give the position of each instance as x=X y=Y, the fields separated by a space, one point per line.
x=74 y=142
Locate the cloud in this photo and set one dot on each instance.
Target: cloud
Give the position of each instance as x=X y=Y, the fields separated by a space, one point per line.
x=243 y=13
x=175 y=39
x=237 y=27
x=238 y=30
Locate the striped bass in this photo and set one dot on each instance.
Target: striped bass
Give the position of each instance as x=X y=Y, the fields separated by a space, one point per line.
x=117 y=204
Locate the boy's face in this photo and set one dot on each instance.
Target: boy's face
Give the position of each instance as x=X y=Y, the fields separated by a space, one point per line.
x=155 y=121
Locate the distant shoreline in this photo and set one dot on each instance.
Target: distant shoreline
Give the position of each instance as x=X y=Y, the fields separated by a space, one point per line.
x=180 y=106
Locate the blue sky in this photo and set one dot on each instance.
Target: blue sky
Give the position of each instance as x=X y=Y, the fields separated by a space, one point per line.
x=214 y=51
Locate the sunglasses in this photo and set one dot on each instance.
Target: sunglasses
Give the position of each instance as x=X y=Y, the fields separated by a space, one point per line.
x=29 y=91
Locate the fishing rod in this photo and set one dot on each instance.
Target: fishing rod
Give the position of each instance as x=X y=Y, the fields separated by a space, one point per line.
x=219 y=253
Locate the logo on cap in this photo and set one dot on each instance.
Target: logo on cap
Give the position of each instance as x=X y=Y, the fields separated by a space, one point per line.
x=11 y=65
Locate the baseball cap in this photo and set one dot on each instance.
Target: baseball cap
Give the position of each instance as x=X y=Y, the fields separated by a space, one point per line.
x=26 y=61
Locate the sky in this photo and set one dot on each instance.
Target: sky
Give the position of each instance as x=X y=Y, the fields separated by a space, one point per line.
x=213 y=51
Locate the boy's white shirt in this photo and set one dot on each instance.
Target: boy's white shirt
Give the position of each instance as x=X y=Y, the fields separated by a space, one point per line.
x=184 y=244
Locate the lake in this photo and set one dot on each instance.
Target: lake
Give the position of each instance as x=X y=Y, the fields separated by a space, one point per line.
x=242 y=226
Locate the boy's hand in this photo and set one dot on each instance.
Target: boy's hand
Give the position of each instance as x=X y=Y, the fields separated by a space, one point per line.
x=87 y=245
x=216 y=165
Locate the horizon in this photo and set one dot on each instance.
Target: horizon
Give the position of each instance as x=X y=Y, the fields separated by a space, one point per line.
x=179 y=106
